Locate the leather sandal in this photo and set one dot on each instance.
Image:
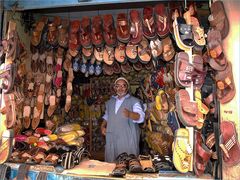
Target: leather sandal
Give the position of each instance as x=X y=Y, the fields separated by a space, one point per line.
x=109 y=32
x=217 y=59
x=74 y=43
x=168 y=49
x=229 y=143
x=97 y=33
x=107 y=69
x=148 y=23
x=182 y=151
x=201 y=155
x=126 y=68
x=162 y=21
x=108 y=55
x=144 y=52
x=63 y=34
x=98 y=53
x=225 y=85
x=85 y=32
x=52 y=34
x=179 y=39
x=138 y=66
x=218 y=19
x=134 y=164
x=123 y=34
x=187 y=111
x=136 y=31
x=131 y=52
x=146 y=163
x=6 y=145
x=156 y=48
x=50 y=160
x=119 y=53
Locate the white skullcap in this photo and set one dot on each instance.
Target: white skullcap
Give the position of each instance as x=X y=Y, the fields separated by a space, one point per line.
x=122 y=78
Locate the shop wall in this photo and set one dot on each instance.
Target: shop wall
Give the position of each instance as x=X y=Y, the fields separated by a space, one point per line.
x=230 y=111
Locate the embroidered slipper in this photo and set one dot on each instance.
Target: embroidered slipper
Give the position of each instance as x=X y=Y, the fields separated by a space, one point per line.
x=98 y=69
x=76 y=63
x=58 y=80
x=182 y=151
x=52 y=105
x=26 y=116
x=36 y=118
x=67 y=62
x=34 y=62
x=70 y=75
x=58 y=66
x=68 y=103
x=49 y=63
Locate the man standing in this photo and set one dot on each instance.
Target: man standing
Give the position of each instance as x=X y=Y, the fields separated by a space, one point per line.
x=120 y=125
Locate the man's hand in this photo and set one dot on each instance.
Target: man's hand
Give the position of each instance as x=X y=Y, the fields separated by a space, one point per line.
x=131 y=115
x=103 y=127
x=103 y=130
x=126 y=113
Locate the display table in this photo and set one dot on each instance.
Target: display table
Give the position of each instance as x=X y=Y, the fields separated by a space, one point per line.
x=52 y=174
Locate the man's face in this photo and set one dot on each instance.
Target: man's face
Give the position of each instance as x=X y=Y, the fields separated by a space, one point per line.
x=121 y=88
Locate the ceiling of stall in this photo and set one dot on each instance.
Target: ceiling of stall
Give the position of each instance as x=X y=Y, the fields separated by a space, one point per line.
x=45 y=4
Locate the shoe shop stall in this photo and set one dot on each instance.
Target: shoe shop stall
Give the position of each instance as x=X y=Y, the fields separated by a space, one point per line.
x=66 y=65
